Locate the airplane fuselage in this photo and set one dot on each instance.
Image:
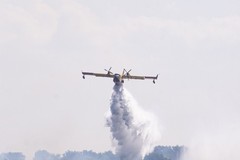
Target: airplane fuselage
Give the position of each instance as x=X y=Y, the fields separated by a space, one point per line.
x=117 y=79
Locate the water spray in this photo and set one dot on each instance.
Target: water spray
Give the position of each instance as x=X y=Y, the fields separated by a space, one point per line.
x=134 y=131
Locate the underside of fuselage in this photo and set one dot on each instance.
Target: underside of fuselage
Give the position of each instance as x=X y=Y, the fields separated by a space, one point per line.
x=117 y=79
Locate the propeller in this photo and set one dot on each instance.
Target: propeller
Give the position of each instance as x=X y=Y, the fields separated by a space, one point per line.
x=127 y=72
x=109 y=70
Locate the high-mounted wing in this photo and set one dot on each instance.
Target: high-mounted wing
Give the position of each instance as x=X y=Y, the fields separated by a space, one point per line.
x=133 y=77
x=128 y=76
x=151 y=77
x=139 y=77
x=97 y=74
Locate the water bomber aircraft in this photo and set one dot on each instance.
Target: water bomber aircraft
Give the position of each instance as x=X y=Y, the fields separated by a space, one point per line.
x=119 y=78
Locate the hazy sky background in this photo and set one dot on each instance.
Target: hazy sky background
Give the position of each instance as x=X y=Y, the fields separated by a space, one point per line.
x=44 y=46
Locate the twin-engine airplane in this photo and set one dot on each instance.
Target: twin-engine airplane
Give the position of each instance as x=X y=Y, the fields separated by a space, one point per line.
x=119 y=78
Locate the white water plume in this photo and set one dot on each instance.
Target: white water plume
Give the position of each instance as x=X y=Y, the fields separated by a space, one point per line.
x=134 y=131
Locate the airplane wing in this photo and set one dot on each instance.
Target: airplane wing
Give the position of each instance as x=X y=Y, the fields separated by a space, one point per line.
x=133 y=77
x=151 y=77
x=97 y=74
x=139 y=77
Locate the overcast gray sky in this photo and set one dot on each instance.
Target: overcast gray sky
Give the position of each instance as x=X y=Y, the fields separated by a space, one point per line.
x=44 y=46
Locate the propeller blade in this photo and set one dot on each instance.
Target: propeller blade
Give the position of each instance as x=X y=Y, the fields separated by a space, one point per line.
x=108 y=71
x=123 y=72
